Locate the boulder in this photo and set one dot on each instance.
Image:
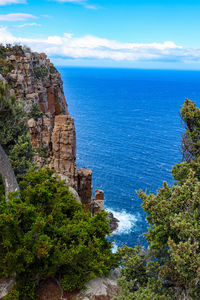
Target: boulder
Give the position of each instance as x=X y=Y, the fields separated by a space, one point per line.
x=97 y=289
x=5 y=286
x=113 y=222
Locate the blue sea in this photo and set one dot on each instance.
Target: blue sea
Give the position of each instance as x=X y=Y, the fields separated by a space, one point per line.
x=129 y=133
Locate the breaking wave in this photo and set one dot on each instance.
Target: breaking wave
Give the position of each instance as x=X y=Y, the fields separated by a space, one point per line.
x=127 y=222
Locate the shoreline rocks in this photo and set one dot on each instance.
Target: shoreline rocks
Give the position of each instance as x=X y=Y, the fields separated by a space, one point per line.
x=113 y=222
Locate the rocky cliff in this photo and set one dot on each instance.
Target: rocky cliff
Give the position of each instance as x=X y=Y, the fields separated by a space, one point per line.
x=35 y=81
x=37 y=84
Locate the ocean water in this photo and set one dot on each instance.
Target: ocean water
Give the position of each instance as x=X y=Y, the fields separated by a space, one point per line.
x=128 y=132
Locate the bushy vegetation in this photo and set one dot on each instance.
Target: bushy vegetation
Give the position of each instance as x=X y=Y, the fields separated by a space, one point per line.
x=46 y=233
x=40 y=72
x=43 y=152
x=9 y=49
x=52 y=69
x=170 y=267
x=14 y=133
x=5 y=67
x=35 y=112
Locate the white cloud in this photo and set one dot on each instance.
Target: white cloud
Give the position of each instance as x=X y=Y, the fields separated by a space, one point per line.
x=26 y=25
x=80 y=2
x=16 y=17
x=5 y=2
x=68 y=46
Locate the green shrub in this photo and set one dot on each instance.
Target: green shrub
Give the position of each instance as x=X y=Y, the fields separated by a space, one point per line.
x=13 y=295
x=43 y=152
x=46 y=233
x=170 y=267
x=35 y=112
x=40 y=72
x=15 y=49
x=2 y=51
x=5 y=67
x=52 y=69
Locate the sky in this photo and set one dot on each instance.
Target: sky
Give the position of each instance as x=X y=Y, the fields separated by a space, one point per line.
x=156 y=34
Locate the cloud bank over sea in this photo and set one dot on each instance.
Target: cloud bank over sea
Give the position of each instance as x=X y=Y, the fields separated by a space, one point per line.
x=93 y=47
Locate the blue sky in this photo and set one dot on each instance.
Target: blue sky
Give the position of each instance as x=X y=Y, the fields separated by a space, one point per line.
x=112 y=33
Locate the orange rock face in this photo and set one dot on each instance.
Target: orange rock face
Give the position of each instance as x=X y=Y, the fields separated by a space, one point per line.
x=85 y=186
x=98 y=202
x=35 y=80
x=63 y=158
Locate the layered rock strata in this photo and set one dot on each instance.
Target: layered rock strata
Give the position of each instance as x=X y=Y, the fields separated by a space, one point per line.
x=36 y=83
x=85 y=186
x=98 y=202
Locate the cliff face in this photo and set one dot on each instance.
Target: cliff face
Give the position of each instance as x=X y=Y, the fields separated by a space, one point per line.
x=36 y=81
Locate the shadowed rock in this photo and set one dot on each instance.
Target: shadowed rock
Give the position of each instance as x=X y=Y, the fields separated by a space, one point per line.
x=8 y=176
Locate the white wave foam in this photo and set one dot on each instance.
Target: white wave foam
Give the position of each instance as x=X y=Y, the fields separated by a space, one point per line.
x=126 y=223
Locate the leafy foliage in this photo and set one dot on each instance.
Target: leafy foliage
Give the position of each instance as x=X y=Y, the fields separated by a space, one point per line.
x=47 y=233
x=40 y=72
x=52 y=69
x=12 y=50
x=14 y=133
x=170 y=267
x=35 y=112
x=43 y=152
x=5 y=67
x=2 y=51
x=190 y=115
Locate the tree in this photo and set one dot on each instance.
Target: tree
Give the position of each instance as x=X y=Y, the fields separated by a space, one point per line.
x=190 y=146
x=190 y=115
x=170 y=267
x=46 y=233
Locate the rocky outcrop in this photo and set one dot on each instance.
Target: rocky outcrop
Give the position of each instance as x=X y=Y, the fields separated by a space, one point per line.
x=5 y=286
x=98 y=202
x=34 y=78
x=85 y=186
x=63 y=143
x=72 y=190
x=37 y=84
x=113 y=222
x=41 y=134
x=97 y=289
x=97 y=205
x=7 y=174
x=35 y=81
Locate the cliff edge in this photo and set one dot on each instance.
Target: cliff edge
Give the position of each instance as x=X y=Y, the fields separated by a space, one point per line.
x=35 y=81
